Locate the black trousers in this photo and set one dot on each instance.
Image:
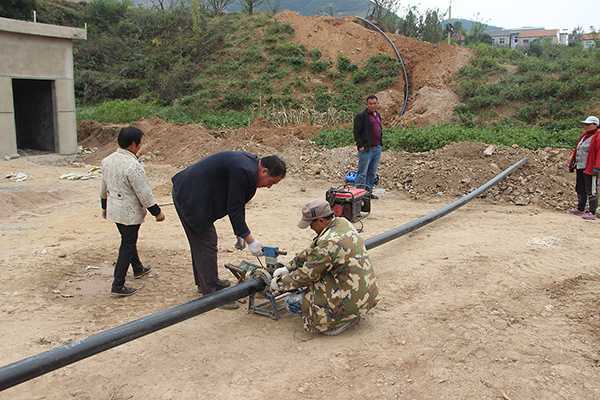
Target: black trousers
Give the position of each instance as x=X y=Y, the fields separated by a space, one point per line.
x=128 y=254
x=586 y=188
x=203 y=246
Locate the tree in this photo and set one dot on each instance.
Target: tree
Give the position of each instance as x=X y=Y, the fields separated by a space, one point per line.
x=381 y=8
x=273 y=5
x=432 y=27
x=217 y=7
x=410 y=25
x=166 y=4
x=477 y=34
x=18 y=9
x=196 y=16
x=250 y=5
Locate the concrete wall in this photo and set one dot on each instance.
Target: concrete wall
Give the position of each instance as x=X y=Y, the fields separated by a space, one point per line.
x=38 y=51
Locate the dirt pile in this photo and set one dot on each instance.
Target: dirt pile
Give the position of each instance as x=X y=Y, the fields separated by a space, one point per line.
x=430 y=66
x=451 y=171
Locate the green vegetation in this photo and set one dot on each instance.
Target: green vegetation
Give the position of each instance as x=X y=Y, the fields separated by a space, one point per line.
x=186 y=66
x=434 y=137
x=127 y=111
x=546 y=86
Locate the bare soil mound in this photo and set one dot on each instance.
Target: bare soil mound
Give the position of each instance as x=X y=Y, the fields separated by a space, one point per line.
x=430 y=66
x=451 y=171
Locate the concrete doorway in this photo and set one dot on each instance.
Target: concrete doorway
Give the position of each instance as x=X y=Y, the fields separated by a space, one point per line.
x=34 y=114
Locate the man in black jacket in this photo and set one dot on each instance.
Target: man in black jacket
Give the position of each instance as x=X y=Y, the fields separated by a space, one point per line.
x=367 y=135
x=212 y=188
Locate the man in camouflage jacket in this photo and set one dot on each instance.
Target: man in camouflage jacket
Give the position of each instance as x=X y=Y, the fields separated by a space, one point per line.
x=335 y=270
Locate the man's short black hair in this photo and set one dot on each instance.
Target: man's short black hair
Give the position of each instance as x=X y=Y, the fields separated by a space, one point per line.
x=275 y=166
x=129 y=135
x=372 y=97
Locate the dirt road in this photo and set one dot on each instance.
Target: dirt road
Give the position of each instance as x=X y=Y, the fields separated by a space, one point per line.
x=492 y=302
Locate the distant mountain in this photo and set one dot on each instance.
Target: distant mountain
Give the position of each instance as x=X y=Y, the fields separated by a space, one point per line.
x=305 y=7
x=467 y=24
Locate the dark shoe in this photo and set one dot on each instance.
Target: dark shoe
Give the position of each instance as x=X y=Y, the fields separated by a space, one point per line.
x=142 y=272
x=373 y=196
x=123 y=291
x=230 y=306
x=223 y=283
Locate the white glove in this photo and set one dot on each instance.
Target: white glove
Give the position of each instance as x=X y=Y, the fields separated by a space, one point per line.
x=283 y=271
x=275 y=285
x=255 y=248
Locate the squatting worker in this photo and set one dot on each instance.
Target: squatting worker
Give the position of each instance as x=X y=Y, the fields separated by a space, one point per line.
x=584 y=160
x=335 y=270
x=212 y=188
x=125 y=195
x=368 y=134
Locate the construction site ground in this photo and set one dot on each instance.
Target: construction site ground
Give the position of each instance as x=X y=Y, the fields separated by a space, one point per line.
x=495 y=301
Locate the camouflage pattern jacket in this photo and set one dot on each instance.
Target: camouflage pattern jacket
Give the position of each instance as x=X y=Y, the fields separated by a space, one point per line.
x=125 y=188
x=338 y=276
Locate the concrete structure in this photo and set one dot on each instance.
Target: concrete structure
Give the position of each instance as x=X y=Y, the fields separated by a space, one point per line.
x=37 y=97
x=589 y=40
x=522 y=38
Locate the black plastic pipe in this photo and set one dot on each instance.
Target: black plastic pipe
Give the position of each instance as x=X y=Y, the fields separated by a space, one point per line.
x=415 y=224
x=400 y=61
x=40 y=364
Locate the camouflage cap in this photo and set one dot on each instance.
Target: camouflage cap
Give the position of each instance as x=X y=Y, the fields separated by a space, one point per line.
x=313 y=210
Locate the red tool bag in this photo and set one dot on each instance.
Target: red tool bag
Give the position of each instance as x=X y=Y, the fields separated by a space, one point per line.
x=349 y=202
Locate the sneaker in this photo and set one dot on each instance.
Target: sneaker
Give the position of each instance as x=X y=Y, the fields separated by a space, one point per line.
x=373 y=196
x=588 y=216
x=342 y=328
x=123 y=291
x=144 y=271
x=575 y=211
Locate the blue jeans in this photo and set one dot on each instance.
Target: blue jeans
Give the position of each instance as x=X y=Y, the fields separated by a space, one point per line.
x=368 y=162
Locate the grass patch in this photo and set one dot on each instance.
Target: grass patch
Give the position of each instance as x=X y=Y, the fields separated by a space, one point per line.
x=435 y=137
x=129 y=111
x=548 y=86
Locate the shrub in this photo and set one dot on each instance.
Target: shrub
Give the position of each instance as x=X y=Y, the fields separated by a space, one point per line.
x=345 y=65
x=319 y=66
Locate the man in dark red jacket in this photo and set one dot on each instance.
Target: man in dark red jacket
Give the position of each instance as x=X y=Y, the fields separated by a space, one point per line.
x=585 y=159
x=368 y=137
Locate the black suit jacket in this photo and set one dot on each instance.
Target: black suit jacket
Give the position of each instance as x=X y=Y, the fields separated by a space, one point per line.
x=214 y=187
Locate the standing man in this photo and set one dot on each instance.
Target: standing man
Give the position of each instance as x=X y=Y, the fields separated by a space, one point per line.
x=214 y=187
x=124 y=196
x=335 y=270
x=367 y=135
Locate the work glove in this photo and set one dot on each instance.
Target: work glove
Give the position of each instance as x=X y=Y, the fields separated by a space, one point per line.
x=275 y=285
x=240 y=244
x=160 y=217
x=255 y=248
x=281 y=272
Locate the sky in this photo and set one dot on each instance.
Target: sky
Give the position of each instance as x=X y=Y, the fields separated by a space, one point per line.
x=550 y=14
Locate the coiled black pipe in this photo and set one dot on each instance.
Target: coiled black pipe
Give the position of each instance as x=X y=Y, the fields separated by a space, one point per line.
x=400 y=61
x=40 y=364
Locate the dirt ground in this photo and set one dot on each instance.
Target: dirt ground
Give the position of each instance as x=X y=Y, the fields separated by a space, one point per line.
x=451 y=171
x=492 y=302
x=430 y=67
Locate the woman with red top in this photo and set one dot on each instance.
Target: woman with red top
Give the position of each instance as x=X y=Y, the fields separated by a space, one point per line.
x=585 y=160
